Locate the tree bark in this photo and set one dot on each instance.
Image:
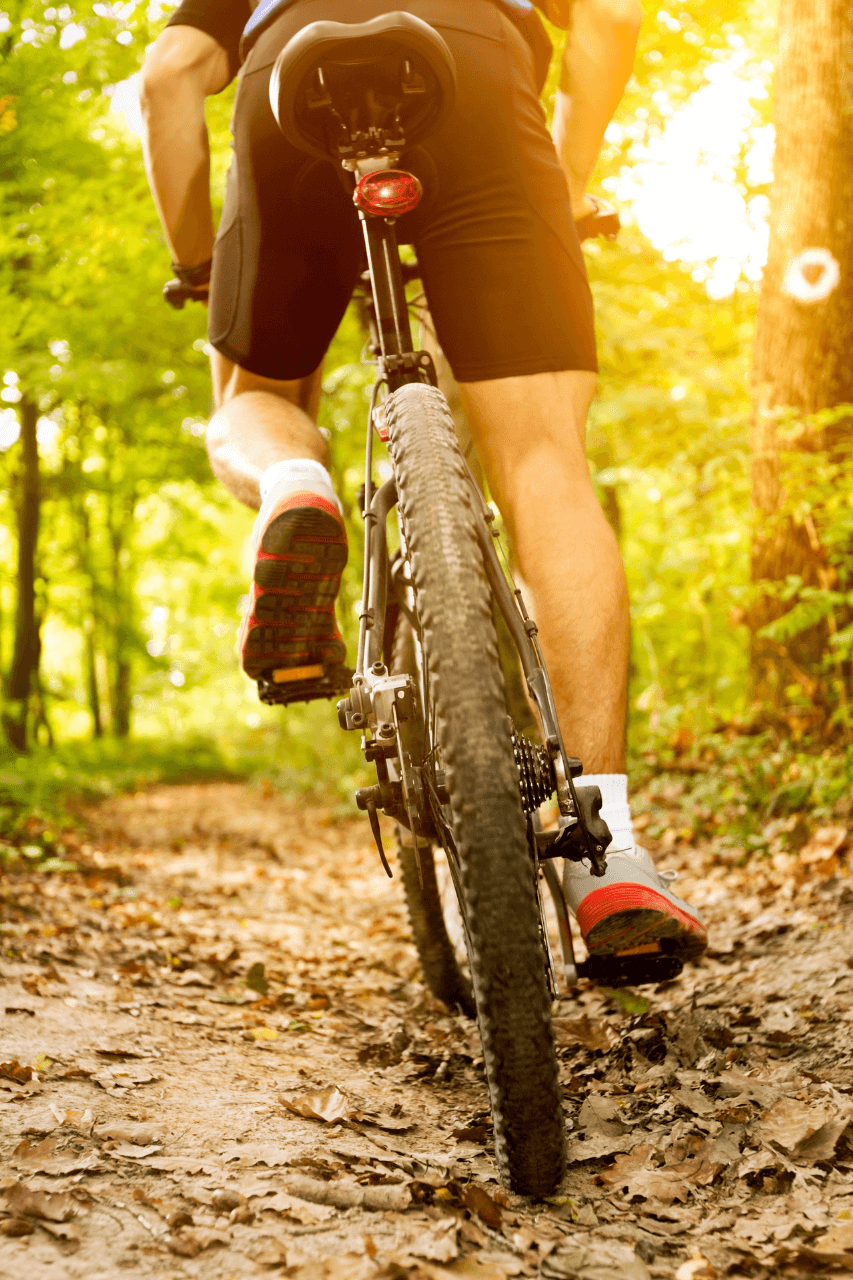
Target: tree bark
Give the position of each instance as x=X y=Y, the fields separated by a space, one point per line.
x=120 y=522
x=804 y=342
x=87 y=566
x=25 y=658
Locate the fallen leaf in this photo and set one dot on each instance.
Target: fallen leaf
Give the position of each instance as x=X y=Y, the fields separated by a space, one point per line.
x=67 y=1231
x=636 y=1177
x=130 y=1151
x=481 y=1203
x=438 y=1243
x=141 y=1135
x=259 y=1153
x=345 y=1195
x=820 y=850
x=330 y=1105
x=479 y=1133
x=15 y=1070
x=693 y=1100
x=20 y=1200
x=16 y=1227
x=24 y=1152
x=268 y=1251
x=192 y=978
x=838 y=1239
x=292 y=1207
x=347 y=1266
x=571 y=1031
x=256 y=979
x=698 y=1268
x=41 y=1159
x=600 y=1145
x=790 y=1123
x=184 y=1246
x=600 y=1115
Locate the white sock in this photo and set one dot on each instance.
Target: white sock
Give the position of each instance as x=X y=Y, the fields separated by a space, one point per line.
x=294 y=474
x=615 y=809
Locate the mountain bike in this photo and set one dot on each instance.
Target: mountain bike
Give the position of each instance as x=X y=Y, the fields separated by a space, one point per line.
x=427 y=694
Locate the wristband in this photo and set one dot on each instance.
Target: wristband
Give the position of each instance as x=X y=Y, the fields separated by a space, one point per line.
x=194 y=277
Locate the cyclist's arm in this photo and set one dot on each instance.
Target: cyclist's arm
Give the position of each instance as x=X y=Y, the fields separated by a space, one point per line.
x=597 y=65
x=182 y=67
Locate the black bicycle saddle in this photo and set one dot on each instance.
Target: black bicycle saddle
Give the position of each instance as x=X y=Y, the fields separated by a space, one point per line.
x=353 y=90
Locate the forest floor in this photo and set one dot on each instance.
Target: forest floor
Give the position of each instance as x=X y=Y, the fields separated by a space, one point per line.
x=328 y=1121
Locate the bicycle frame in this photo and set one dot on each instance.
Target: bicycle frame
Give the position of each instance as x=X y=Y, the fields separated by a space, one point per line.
x=374 y=690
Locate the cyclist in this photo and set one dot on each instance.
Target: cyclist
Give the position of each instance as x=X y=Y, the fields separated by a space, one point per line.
x=506 y=284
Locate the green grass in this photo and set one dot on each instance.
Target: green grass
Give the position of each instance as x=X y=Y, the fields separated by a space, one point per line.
x=47 y=786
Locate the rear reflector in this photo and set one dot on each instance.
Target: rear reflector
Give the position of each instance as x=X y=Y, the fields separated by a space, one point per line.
x=388 y=193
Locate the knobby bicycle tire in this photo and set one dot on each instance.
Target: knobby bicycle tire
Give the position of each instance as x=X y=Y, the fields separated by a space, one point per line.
x=506 y=958
x=436 y=952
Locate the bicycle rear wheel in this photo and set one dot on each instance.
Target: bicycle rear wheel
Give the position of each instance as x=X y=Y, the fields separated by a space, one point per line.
x=468 y=725
x=425 y=887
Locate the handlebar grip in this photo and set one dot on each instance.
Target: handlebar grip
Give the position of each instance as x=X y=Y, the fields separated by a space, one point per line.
x=178 y=294
x=604 y=221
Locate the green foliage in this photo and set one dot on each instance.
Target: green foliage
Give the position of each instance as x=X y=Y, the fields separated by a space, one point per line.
x=142 y=558
x=43 y=789
x=762 y=793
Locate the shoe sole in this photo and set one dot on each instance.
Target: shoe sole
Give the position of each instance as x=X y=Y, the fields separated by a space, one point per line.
x=619 y=917
x=298 y=573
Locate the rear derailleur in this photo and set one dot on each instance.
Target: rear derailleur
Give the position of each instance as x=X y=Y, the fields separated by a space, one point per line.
x=581 y=831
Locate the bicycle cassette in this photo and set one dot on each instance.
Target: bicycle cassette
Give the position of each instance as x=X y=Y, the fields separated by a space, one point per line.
x=535 y=771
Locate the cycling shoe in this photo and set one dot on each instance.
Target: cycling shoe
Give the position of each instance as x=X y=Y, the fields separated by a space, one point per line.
x=289 y=630
x=631 y=908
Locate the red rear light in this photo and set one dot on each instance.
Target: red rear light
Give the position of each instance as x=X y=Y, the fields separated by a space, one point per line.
x=388 y=193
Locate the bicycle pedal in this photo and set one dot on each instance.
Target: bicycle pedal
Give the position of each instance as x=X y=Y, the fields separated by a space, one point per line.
x=303 y=684
x=633 y=970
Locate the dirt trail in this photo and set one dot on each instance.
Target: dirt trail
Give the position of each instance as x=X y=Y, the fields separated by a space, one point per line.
x=160 y=1117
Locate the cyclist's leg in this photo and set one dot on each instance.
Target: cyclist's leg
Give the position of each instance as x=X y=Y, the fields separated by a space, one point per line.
x=285 y=263
x=529 y=432
x=265 y=447
x=530 y=435
x=259 y=422
x=507 y=290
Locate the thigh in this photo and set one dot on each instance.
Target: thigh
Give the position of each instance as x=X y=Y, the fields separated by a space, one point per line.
x=230 y=380
x=288 y=250
x=500 y=259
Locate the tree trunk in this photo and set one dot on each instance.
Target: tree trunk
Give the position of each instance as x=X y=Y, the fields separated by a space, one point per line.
x=86 y=562
x=120 y=523
x=25 y=657
x=803 y=346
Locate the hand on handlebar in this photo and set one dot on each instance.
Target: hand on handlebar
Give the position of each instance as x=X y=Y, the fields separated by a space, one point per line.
x=602 y=220
x=177 y=294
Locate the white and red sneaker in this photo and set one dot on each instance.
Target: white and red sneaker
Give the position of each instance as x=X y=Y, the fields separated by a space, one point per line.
x=632 y=909
x=289 y=631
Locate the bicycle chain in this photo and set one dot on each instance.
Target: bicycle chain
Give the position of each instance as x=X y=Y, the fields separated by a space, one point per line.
x=535 y=774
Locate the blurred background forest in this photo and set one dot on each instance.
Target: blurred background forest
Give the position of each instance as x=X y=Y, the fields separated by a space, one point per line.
x=124 y=566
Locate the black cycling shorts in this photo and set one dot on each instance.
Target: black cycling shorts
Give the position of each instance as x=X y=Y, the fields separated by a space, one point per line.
x=499 y=255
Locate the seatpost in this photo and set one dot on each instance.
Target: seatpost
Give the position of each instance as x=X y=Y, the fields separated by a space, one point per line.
x=383 y=260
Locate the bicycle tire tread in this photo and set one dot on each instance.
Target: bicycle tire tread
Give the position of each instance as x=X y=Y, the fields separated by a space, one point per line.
x=507 y=962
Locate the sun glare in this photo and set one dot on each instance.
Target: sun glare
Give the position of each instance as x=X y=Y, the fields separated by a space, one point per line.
x=685 y=188
x=693 y=189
